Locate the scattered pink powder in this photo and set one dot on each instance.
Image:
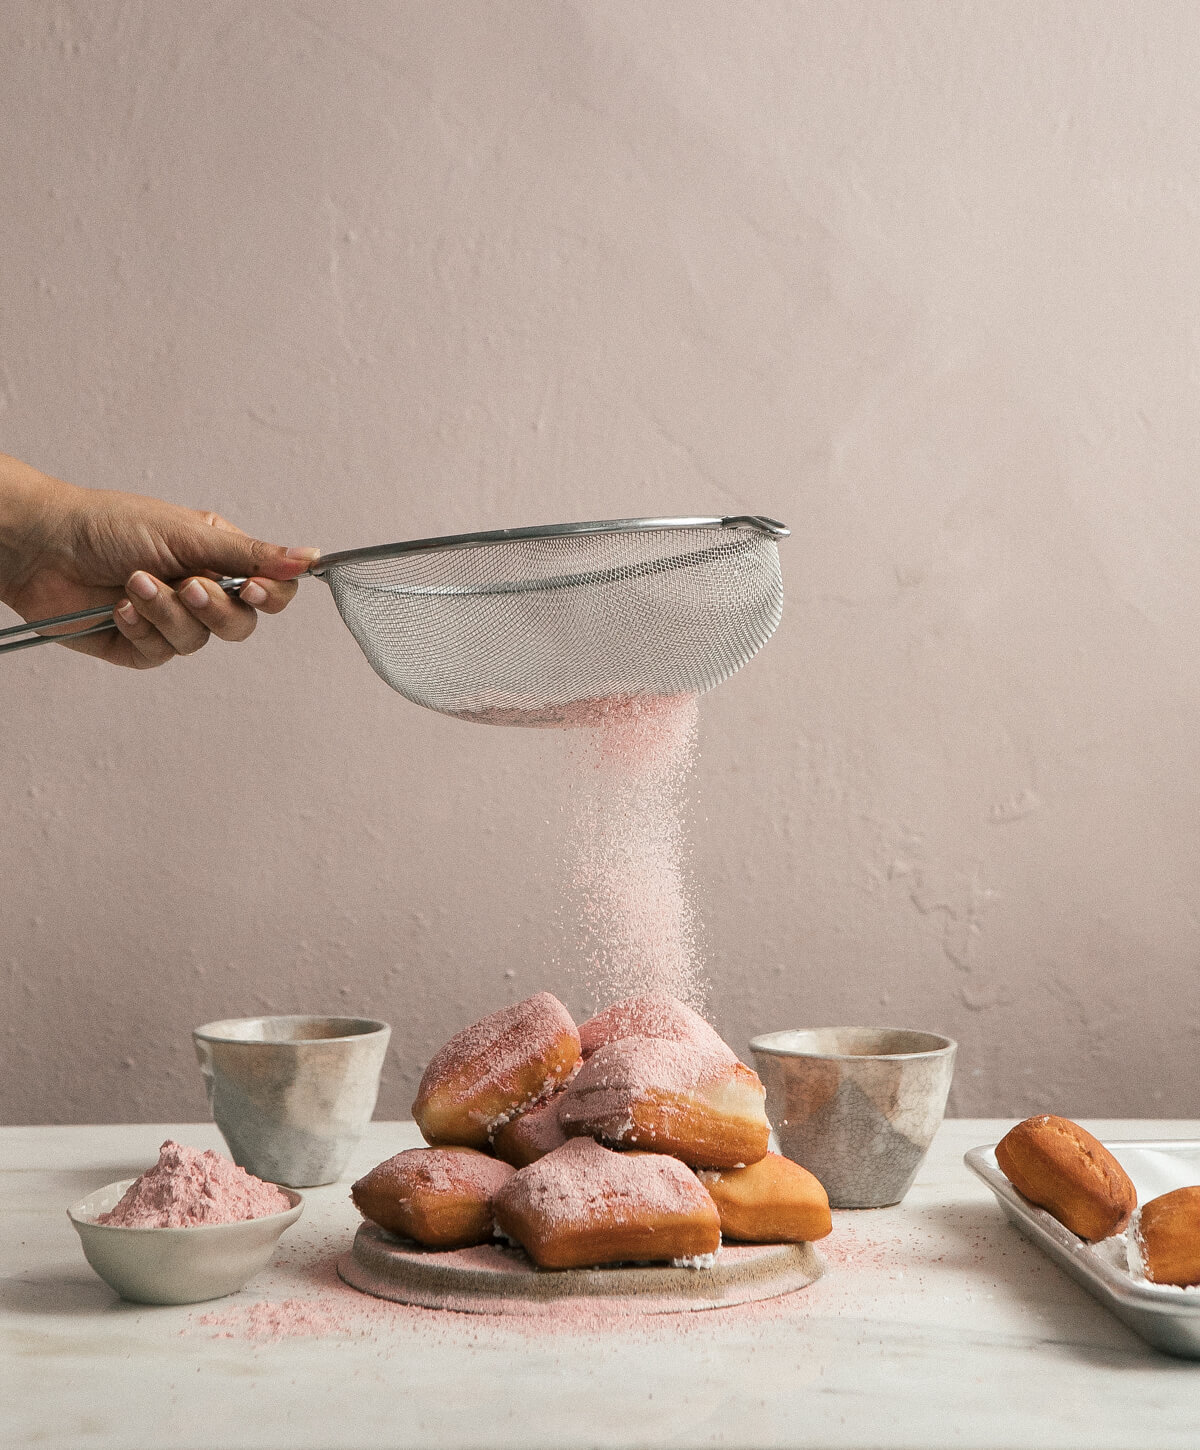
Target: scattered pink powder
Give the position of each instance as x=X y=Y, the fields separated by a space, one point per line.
x=651 y=1014
x=187 y=1188
x=583 y=1185
x=284 y=1319
x=631 y=911
x=484 y=1061
x=314 y=1300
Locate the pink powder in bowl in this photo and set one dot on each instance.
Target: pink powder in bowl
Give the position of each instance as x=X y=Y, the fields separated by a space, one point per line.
x=187 y=1189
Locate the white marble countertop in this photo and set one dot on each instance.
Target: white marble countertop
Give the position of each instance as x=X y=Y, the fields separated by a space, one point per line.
x=936 y=1324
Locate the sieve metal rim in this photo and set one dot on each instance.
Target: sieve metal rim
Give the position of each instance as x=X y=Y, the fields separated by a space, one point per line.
x=12 y=638
x=772 y=527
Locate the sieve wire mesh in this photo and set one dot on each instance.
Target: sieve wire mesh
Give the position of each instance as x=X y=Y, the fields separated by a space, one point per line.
x=536 y=630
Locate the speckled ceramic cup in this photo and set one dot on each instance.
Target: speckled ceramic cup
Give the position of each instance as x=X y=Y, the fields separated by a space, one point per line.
x=292 y=1095
x=856 y=1106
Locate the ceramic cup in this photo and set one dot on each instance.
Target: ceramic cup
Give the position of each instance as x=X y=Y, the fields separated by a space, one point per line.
x=856 y=1106
x=292 y=1095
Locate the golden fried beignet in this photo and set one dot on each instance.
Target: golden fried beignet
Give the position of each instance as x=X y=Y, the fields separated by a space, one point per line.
x=669 y=1097
x=651 y=1014
x=1059 y=1166
x=531 y=1134
x=492 y=1070
x=442 y=1197
x=1166 y=1235
x=584 y=1205
x=773 y=1201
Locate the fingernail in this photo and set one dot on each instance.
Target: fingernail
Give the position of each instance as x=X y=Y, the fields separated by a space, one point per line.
x=142 y=585
x=254 y=594
x=126 y=610
x=194 y=594
x=310 y=556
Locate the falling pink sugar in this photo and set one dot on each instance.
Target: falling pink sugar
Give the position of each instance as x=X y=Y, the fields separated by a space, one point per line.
x=631 y=756
x=190 y=1189
x=626 y=854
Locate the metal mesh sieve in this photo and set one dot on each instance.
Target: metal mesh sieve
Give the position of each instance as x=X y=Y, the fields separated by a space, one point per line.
x=539 y=626
x=533 y=626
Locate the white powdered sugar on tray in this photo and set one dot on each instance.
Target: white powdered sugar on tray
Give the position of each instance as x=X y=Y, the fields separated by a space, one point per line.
x=696 y=1261
x=1131 y=1242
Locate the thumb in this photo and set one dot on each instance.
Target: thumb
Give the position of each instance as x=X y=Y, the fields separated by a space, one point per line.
x=213 y=544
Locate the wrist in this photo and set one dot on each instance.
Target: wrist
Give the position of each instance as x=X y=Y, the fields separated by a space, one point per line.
x=28 y=499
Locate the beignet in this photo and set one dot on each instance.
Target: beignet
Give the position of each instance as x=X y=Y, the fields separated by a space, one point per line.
x=669 y=1097
x=1059 y=1166
x=531 y=1134
x=773 y=1201
x=1166 y=1237
x=584 y=1205
x=492 y=1070
x=651 y=1014
x=442 y=1197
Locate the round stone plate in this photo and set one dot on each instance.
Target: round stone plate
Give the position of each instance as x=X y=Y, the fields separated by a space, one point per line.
x=492 y=1279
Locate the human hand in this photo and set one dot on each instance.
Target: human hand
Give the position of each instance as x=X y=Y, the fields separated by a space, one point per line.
x=64 y=549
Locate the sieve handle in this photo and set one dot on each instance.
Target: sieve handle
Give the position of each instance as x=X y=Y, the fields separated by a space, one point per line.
x=11 y=638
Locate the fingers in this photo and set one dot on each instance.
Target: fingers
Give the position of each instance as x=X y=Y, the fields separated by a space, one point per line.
x=269 y=596
x=160 y=622
x=212 y=608
x=148 y=647
x=211 y=542
x=156 y=622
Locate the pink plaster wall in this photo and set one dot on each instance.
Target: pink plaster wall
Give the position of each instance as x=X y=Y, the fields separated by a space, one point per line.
x=919 y=279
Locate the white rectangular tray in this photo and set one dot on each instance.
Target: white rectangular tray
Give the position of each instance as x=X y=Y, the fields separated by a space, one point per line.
x=1164 y=1316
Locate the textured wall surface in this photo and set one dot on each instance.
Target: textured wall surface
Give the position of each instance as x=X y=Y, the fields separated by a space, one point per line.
x=918 y=279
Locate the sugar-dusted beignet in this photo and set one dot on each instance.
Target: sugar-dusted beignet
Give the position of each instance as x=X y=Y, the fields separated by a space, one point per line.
x=651 y=1014
x=1059 y=1166
x=669 y=1097
x=1165 y=1237
x=584 y=1205
x=531 y=1134
x=495 y=1068
x=442 y=1197
x=773 y=1201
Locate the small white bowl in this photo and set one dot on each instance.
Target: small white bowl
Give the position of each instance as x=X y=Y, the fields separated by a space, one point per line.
x=176 y=1265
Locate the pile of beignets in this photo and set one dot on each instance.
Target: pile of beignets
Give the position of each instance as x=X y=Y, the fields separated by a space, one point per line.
x=1062 y=1168
x=637 y=1137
